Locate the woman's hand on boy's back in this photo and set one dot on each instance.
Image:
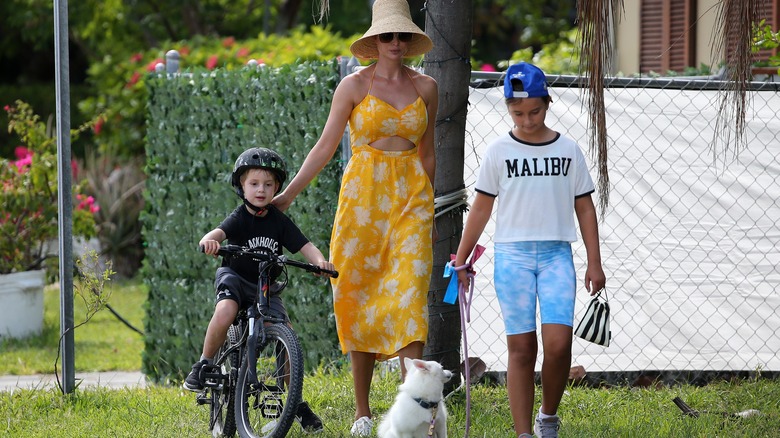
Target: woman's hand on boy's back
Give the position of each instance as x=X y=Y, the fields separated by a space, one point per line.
x=282 y=201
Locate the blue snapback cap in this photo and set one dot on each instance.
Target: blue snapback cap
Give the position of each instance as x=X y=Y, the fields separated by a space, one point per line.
x=525 y=80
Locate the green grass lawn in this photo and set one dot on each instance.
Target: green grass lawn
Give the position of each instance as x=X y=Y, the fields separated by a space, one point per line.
x=161 y=411
x=103 y=344
x=617 y=412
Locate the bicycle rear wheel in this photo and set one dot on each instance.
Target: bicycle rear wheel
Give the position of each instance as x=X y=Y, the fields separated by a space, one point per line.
x=222 y=419
x=267 y=408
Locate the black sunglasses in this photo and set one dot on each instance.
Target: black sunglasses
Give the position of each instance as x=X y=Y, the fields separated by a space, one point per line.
x=403 y=37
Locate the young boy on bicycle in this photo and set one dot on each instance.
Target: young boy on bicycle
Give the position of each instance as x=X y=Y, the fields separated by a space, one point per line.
x=258 y=175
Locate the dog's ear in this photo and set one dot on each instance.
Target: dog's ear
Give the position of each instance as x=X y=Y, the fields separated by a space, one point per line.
x=408 y=363
x=421 y=365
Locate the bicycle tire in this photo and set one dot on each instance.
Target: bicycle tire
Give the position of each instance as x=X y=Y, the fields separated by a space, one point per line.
x=267 y=409
x=222 y=419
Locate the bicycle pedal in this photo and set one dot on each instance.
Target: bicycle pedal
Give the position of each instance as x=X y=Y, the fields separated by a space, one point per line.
x=203 y=399
x=271 y=406
x=211 y=376
x=213 y=385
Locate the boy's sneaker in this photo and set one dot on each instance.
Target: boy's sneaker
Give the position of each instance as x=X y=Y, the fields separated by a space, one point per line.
x=309 y=421
x=362 y=427
x=192 y=382
x=547 y=428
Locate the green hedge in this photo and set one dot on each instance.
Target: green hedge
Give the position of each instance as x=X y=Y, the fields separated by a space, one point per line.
x=197 y=125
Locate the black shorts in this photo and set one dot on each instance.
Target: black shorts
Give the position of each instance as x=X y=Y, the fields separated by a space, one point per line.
x=231 y=286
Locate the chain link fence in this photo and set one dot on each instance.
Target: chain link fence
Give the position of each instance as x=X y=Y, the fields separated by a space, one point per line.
x=690 y=242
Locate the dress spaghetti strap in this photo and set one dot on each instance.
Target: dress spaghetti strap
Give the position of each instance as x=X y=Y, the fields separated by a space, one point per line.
x=371 y=84
x=406 y=69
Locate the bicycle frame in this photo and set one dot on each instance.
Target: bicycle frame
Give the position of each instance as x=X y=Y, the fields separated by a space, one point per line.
x=258 y=329
x=255 y=314
x=252 y=331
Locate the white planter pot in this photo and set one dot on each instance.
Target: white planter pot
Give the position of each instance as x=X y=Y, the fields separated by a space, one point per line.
x=21 y=304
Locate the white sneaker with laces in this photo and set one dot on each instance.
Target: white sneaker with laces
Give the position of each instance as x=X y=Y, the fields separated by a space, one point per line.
x=547 y=428
x=362 y=427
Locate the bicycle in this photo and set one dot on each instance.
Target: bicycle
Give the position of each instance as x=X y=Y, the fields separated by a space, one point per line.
x=255 y=384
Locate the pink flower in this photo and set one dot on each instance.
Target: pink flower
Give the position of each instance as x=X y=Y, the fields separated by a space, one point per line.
x=228 y=42
x=24 y=160
x=136 y=57
x=98 y=126
x=487 y=67
x=242 y=52
x=87 y=203
x=211 y=63
x=152 y=65
x=22 y=152
x=133 y=80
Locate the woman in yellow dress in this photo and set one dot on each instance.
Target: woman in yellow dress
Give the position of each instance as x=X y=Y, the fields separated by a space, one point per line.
x=381 y=240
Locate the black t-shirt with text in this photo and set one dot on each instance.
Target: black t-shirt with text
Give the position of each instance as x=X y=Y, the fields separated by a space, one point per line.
x=270 y=232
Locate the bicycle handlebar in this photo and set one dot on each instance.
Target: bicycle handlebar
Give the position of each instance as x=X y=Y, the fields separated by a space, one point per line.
x=261 y=256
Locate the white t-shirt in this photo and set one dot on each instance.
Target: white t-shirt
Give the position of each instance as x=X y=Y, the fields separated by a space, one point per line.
x=536 y=185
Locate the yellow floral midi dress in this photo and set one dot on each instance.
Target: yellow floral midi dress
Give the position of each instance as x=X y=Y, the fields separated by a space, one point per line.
x=381 y=240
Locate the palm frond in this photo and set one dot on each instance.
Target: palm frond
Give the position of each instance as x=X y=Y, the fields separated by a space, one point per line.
x=324 y=9
x=596 y=21
x=732 y=40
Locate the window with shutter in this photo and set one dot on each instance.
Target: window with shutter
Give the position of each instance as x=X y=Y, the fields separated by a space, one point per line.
x=667 y=35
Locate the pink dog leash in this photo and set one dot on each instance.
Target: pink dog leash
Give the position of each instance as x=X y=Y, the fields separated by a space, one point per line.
x=464 y=302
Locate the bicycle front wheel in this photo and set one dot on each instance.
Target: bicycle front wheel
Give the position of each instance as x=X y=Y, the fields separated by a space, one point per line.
x=267 y=408
x=222 y=418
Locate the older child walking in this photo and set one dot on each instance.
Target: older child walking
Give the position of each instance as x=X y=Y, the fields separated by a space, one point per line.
x=541 y=180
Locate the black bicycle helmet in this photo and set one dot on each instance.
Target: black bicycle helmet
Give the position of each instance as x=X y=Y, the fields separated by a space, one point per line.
x=258 y=158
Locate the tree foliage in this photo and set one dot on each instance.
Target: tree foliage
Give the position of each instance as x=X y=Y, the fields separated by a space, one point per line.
x=120 y=83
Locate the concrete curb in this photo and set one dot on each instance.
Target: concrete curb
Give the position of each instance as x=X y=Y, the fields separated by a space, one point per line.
x=110 y=379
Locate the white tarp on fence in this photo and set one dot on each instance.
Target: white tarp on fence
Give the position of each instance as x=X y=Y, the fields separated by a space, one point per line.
x=690 y=242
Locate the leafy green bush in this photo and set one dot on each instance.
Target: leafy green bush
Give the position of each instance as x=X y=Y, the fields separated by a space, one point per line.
x=28 y=194
x=42 y=97
x=764 y=38
x=198 y=124
x=558 y=57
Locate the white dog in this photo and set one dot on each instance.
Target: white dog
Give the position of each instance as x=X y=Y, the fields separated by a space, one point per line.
x=418 y=411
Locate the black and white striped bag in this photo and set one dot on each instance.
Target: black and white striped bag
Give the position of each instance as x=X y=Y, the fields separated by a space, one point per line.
x=594 y=326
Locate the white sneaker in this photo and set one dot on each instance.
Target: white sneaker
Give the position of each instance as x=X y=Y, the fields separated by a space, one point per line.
x=362 y=427
x=547 y=428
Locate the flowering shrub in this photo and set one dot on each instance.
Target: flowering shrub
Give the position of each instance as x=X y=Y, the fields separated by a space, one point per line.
x=28 y=195
x=120 y=84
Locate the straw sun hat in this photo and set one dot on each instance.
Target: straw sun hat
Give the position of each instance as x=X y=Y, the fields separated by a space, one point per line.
x=391 y=16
